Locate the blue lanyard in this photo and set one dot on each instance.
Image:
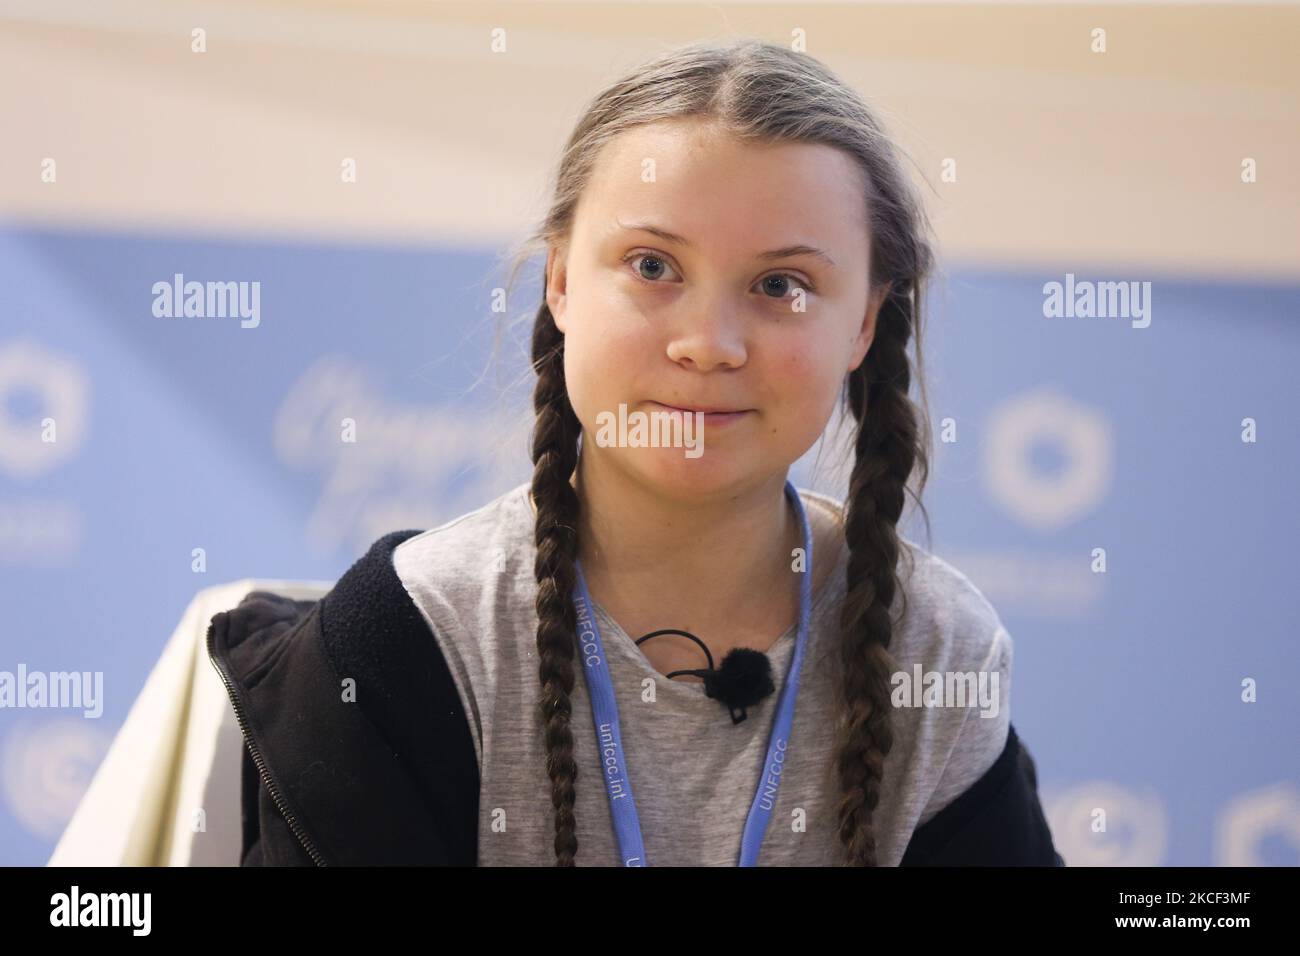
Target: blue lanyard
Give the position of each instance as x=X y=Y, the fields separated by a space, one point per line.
x=609 y=742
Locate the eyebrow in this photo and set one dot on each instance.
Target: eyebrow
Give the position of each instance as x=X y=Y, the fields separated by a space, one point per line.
x=799 y=249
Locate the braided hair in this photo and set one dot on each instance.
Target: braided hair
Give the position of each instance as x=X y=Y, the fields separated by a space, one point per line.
x=760 y=92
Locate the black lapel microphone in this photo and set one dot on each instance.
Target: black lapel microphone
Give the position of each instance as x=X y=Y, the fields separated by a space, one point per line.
x=744 y=678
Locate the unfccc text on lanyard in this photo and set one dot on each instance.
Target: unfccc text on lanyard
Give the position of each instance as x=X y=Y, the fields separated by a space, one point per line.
x=604 y=713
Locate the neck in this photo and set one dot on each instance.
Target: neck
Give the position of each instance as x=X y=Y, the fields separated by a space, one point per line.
x=690 y=561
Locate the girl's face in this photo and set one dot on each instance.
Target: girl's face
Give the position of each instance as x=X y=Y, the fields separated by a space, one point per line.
x=706 y=273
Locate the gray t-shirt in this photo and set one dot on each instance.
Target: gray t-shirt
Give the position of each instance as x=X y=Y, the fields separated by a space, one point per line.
x=693 y=772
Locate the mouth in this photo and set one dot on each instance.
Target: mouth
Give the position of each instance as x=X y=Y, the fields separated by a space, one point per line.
x=711 y=413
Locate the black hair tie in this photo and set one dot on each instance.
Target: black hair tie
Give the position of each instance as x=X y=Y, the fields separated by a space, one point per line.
x=744 y=678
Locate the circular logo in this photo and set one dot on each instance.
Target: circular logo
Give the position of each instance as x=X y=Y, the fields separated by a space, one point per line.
x=62 y=388
x=1047 y=501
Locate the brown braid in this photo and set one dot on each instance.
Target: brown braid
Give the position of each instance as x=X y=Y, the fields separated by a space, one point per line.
x=763 y=93
x=884 y=454
x=555 y=456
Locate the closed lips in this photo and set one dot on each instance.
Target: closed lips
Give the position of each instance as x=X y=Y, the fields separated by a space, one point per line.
x=705 y=409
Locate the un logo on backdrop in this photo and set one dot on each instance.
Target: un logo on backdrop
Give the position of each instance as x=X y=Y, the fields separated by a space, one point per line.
x=1046 y=420
x=1256 y=825
x=1104 y=823
x=45 y=769
x=31 y=446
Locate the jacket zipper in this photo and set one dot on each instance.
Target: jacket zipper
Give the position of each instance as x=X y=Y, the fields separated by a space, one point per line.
x=262 y=769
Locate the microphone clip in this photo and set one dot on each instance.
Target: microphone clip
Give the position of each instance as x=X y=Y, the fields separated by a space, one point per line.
x=744 y=678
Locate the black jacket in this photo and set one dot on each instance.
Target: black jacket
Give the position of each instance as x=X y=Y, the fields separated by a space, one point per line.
x=392 y=779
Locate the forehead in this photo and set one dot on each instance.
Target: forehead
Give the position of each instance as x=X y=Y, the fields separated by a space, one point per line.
x=697 y=180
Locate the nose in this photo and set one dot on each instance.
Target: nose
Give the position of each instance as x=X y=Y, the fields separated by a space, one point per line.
x=709 y=334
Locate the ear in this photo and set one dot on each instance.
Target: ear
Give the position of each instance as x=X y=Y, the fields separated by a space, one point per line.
x=556 y=281
x=867 y=333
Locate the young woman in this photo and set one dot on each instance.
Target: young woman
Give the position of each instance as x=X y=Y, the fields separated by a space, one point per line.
x=733 y=247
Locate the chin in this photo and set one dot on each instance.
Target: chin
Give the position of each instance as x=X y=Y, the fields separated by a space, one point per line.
x=676 y=476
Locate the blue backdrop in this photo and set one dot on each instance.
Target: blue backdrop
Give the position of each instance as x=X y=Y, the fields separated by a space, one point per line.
x=1071 y=434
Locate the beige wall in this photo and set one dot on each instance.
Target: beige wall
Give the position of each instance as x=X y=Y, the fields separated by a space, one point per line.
x=1131 y=158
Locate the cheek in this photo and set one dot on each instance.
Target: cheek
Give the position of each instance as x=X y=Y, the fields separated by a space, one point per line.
x=603 y=348
x=803 y=386
x=607 y=348
x=808 y=378
x=602 y=322
x=584 y=372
